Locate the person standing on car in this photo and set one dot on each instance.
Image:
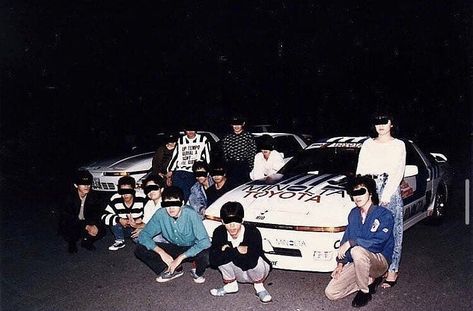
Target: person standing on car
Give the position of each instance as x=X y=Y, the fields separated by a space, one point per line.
x=163 y=156
x=239 y=150
x=124 y=211
x=366 y=247
x=80 y=218
x=384 y=158
x=190 y=148
x=268 y=161
x=237 y=252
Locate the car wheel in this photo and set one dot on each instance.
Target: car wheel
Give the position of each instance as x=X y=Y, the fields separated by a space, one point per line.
x=439 y=210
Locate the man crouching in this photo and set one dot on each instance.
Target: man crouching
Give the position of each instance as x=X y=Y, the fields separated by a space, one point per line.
x=366 y=248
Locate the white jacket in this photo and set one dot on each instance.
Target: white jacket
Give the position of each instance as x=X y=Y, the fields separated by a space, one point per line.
x=263 y=168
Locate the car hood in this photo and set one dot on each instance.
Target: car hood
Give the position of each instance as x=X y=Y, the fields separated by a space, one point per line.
x=127 y=163
x=302 y=200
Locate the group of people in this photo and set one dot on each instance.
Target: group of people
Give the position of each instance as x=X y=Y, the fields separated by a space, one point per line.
x=166 y=222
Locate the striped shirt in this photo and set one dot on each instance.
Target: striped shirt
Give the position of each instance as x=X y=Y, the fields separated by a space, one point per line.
x=117 y=209
x=240 y=147
x=188 y=151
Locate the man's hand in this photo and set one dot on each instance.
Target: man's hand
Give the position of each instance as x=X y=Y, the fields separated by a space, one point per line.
x=336 y=272
x=175 y=263
x=169 y=179
x=124 y=222
x=343 y=249
x=242 y=249
x=136 y=232
x=164 y=256
x=384 y=203
x=92 y=230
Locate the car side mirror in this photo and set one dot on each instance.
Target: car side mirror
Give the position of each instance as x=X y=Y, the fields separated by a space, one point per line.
x=411 y=170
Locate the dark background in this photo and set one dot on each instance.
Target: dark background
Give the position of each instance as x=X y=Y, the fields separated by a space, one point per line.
x=79 y=78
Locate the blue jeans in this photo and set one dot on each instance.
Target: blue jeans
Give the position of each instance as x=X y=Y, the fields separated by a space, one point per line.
x=396 y=207
x=184 y=180
x=121 y=232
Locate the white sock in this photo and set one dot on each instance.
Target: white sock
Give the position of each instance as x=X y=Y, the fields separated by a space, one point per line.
x=259 y=287
x=231 y=287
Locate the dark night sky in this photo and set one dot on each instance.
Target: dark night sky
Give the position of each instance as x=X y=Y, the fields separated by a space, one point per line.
x=86 y=73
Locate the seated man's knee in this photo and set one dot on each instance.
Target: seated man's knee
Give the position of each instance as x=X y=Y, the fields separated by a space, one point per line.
x=358 y=252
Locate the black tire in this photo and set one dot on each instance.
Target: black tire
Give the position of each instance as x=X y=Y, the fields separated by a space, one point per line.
x=440 y=207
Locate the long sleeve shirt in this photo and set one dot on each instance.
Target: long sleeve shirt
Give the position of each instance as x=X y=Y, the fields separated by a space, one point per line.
x=239 y=147
x=198 y=197
x=378 y=158
x=251 y=238
x=263 y=168
x=186 y=230
x=117 y=209
x=188 y=151
x=374 y=235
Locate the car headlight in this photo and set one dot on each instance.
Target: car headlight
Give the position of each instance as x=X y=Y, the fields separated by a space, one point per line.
x=115 y=174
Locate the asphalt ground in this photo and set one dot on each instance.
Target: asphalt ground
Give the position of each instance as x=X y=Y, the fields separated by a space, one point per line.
x=38 y=274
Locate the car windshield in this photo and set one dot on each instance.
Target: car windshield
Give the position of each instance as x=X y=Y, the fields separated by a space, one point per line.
x=324 y=160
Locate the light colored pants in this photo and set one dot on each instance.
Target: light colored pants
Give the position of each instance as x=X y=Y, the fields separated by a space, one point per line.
x=355 y=275
x=231 y=272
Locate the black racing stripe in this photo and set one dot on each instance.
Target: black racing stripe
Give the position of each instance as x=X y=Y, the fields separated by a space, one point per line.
x=323 y=179
x=308 y=178
x=290 y=179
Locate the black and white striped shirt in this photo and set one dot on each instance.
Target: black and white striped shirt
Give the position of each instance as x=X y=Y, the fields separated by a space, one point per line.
x=188 y=151
x=117 y=209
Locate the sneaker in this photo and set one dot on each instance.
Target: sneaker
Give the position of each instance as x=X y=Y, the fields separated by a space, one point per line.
x=117 y=245
x=167 y=276
x=264 y=296
x=197 y=279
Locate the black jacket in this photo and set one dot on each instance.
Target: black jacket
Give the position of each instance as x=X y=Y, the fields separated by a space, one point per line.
x=252 y=239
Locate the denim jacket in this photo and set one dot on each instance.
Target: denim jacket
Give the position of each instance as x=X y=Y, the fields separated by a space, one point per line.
x=198 y=198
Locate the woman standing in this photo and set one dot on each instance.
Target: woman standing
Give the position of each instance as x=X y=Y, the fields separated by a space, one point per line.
x=384 y=158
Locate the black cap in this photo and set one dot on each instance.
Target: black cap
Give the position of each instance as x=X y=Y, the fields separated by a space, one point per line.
x=237 y=120
x=83 y=177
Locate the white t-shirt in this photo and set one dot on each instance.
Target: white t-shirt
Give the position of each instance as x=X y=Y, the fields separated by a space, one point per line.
x=149 y=210
x=387 y=157
x=263 y=168
x=236 y=242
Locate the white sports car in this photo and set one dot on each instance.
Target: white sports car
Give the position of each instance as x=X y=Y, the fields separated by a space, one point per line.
x=107 y=172
x=302 y=211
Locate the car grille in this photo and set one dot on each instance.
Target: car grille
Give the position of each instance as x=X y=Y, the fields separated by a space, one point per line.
x=104 y=186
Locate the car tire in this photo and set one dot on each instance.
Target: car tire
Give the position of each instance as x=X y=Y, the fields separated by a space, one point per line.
x=440 y=207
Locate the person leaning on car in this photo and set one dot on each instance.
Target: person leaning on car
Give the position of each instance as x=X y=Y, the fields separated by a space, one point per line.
x=366 y=247
x=80 y=217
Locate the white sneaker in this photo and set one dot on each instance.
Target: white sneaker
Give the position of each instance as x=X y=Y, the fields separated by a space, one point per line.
x=117 y=245
x=197 y=279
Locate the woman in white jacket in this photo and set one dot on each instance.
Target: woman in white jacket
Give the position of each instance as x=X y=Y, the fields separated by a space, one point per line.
x=268 y=161
x=384 y=159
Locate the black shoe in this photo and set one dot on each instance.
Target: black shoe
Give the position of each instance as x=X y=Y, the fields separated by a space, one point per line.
x=72 y=247
x=372 y=287
x=361 y=299
x=87 y=245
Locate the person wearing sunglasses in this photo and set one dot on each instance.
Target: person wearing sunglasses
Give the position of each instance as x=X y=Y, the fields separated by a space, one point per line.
x=384 y=158
x=198 y=198
x=124 y=211
x=185 y=233
x=237 y=252
x=366 y=248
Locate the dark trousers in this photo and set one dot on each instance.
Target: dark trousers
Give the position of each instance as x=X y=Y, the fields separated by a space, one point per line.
x=73 y=230
x=238 y=172
x=184 y=180
x=154 y=261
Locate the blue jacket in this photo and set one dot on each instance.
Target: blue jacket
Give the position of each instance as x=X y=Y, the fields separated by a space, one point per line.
x=375 y=235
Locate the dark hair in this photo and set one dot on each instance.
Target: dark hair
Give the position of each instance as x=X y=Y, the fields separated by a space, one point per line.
x=369 y=183
x=127 y=180
x=171 y=138
x=172 y=192
x=217 y=166
x=158 y=180
x=232 y=212
x=83 y=177
x=384 y=114
x=266 y=142
x=200 y=165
